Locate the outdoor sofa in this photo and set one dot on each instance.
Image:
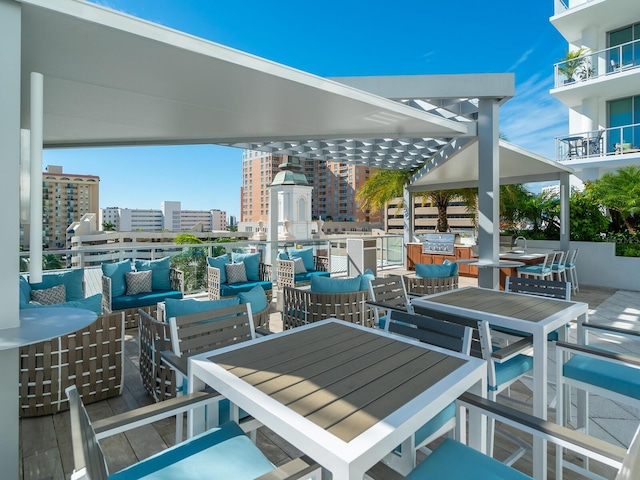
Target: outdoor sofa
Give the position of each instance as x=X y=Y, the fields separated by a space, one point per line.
x=227 y=279
x=297 y=266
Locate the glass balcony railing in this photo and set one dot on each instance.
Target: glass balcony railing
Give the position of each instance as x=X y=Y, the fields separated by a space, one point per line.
x=609 y=61
x=599 y=143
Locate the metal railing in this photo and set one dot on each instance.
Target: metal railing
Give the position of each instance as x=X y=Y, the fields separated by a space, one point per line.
x=599 y=143
x=591 y=65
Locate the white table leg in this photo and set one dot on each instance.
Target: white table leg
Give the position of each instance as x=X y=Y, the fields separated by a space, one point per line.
x=540 y=402
x=196 y=417
x=477 y=421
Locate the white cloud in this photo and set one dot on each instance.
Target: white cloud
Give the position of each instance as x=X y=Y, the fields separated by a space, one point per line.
x=521 y=60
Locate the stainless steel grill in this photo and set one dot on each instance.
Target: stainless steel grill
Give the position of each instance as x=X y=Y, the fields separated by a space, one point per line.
x=439 y=243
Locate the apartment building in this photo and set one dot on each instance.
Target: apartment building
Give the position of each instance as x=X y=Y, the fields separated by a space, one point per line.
x=66 y=197
x=599 y=82
x=425 y=217
x=334 y=188
x=170 y=217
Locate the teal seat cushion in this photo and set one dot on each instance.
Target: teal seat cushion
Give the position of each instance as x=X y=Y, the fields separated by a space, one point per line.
x=534 y=269
x=454 y=266
x=93 y=303
x=365 y=279
x=382 y=321
x=570 y=264
x=159 y=272
x=601 y=373
x=255 y=297
x=25 y=291
x=306 y=254
x=221 y=453
x=116 y=272
x=176 y=307
x=283 y=256
x=71 y=279
x=251 y=264
x=334 y=285
x=556 y=267
x=219 y=263
x=306 y=276
x=435 y=423
x=455 y=460
x=233 y=289
x=512 y=368
x=143 y=299
x=425 y=270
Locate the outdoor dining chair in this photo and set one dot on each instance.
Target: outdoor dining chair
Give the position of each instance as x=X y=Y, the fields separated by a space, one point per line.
x=542 y=270
x=559 y=267
x=221 y=453
x=453 y=460
x=570 y=265
x=598 y=371
x=386 y=294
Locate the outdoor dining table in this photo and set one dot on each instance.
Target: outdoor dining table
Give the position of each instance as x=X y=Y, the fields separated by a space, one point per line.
x=343 y=394
x=535 y=315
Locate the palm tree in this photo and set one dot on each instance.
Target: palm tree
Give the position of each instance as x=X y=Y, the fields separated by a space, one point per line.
x=385 y=185
x=108 y=227
x=51 y=261
x=620 y=193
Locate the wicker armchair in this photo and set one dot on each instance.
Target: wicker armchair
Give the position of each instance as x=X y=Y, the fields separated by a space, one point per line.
x=287 y=278
x=427 y=286
x=176 y=278
x=216 y=289
x=91 y=358
x=301 y=307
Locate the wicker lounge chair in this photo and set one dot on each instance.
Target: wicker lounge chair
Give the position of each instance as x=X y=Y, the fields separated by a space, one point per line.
x=287 y=277
x=217 y=289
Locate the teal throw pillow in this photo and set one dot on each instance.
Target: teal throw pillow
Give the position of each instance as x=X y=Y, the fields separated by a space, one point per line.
x=453 y=265
x=306 y=254
x=335 y=285
x=425 y=270
x=283 y=256
x=25 y=291
x=219 y=263
x=176 y=308
x=251 y=264
x=365 y=279
x=116 y=272
x=71 y=279
x=256 y=297
x=159 y=272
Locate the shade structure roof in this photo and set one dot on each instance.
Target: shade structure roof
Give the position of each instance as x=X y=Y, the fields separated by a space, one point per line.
x=111 y=79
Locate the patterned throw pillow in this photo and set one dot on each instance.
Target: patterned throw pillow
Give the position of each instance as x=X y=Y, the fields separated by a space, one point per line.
x=236 y=272
x=138 y=282
x=298 y=266
x=50 y=296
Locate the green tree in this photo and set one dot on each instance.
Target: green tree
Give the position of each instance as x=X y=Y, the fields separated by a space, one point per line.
x=512 y=199
x=108 y=227
x=620 y=193
x=51 y=261
x=586 y=217
x=192 y=261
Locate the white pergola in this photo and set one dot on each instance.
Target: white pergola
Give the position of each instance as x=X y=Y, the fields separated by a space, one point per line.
x=74 y=74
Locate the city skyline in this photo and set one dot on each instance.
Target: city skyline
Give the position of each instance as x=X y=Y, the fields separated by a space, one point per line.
x=355 y=41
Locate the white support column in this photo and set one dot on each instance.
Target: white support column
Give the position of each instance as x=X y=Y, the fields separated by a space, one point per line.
x=272 y=234
x=565 y=226
x=407 y=222
x=488 y=192
x=10 y=39
x=35 y=211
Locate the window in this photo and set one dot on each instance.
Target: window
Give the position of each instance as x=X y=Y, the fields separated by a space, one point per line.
x=629 y=52
x=624 y=122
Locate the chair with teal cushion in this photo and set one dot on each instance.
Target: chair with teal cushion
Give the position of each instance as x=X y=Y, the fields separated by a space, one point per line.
x=432 y=278
x=222 y=453
x=570 y=266
x=598 y=370
x=453 y=460
x=559 y=267
x=257 y=274
x=386 y=294
x=543 y=270
x=315 y=266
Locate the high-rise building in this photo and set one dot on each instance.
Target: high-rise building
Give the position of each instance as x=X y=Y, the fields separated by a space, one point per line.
x=66 y=197
x=599 y=81
x=425 y=216
x=334 y=188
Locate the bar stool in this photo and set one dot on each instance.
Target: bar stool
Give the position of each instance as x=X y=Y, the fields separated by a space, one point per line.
x=559 y=267
x=570 y=266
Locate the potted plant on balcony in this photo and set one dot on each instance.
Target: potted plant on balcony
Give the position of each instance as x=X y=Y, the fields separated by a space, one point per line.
x=572 y=64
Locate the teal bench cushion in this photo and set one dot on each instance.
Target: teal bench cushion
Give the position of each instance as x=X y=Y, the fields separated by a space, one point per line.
x=219 y=263
x=124 y=302
x=221 y=453
x=93 y=303
x=512 y=368
x=322 y=284
x=233 y=289
x=306 y=254
x=159 y=272
x=116 y=272
x=256 y=297
x=425 y=270
x=71 y=279
x=365 y=279
x=306 y=277
x=176 y=307
x=534 y=269
x=455 y=460
x=608 y=375
x=251 y=264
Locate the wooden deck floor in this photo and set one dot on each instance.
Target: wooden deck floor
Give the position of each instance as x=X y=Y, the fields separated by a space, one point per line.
x=45 y=448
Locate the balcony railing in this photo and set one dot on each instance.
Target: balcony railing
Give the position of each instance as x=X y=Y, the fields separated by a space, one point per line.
x=609 y=61
x=599 y=143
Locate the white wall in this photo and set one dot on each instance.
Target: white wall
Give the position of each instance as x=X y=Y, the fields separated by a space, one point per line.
x=597 y=264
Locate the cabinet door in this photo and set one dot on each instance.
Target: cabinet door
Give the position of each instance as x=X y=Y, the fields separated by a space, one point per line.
x=463 y=253
x=437 y=259
x=414 y=251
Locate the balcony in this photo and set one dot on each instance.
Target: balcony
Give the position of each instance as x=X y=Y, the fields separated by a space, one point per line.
x=599 y=143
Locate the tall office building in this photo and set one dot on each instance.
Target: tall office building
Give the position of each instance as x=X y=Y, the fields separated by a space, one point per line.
x=425 y=216
x=334 y=188
x=66 y=197
x=600 y=84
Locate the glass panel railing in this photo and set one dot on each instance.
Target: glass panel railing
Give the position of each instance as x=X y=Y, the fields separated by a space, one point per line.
x=599 y=143
x=597 y=64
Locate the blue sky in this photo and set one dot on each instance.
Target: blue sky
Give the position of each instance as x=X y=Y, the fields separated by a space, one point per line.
x=332 y=38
